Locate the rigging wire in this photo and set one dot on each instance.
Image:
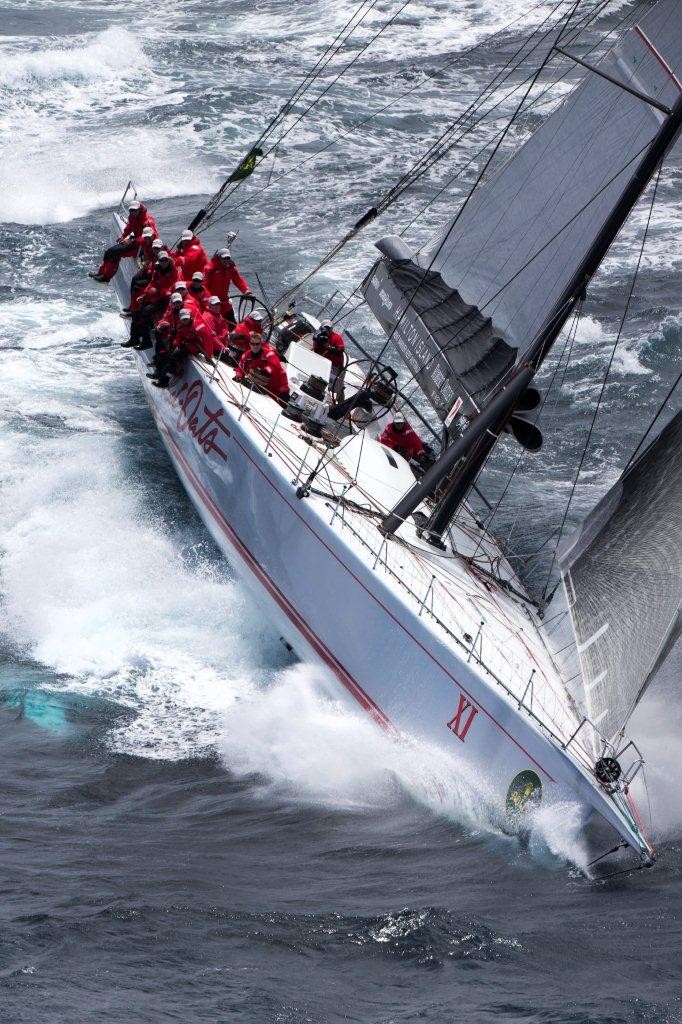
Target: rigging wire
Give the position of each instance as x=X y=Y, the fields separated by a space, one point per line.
x=593 y=15
x=651 y=425
x=606 y=375
x=309 y=79
x=421 y=167
x=359 y=124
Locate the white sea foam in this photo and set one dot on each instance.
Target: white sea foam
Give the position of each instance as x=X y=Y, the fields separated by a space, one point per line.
x=66 y=155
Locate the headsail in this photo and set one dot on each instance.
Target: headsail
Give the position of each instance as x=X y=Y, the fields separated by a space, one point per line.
x=503 y=263
x=623 y=577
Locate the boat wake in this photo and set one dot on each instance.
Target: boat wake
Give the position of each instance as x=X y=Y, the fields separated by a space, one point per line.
x=127 y=610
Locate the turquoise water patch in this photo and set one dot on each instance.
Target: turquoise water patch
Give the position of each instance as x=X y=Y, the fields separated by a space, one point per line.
x=48 y=710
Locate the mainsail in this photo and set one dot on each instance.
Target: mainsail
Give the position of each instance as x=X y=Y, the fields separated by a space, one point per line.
x=465 y=310
x=623 y=577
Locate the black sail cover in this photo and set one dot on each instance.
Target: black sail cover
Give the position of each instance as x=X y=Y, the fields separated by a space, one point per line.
x=622 y=572
x=463 y=311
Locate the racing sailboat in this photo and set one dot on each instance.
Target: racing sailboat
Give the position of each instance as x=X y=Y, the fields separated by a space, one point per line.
x=391 y=582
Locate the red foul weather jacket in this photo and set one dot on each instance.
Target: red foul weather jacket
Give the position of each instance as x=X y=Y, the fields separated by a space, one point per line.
x=145 y=252
x=191 y=257
x=137 y=221
x=267 y=361
x=219 y=326
x=160 y=286
x=218 y=278
x=196 y=338
x=334 y=351
x=239 y=336
x=200 y=296
x=405 y=442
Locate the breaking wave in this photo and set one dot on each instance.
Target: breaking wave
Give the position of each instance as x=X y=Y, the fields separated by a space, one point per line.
x=68 y=156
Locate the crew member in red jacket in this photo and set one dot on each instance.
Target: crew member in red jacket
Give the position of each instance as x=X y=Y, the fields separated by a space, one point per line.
x=220 y=272
x=127 y=243
x=151 y=302
x=190 y=302
x=150 y=247
x=168 y=324
x=251 y=324
x=330 y=344
x=197 y=290
x=262 y=366
x=217 y=322
x=400 y=436
x=193 y=335
x=192 y=338
x=190 y=254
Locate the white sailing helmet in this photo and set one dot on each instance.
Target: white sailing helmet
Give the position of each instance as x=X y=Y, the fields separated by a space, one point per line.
x=258 y=316
x=177 y=297
x=197 y=276
x=213 y=300
x=398 y=419
x=187 y=235
x=180 y=286
x=135 y=205
x=184 y=315
x=147 y=232
x=163 y=255
x=224 y=254
x=157 y=243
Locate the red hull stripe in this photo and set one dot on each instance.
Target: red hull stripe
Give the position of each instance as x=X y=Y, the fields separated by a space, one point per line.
x=301 y=625
x=354 y=687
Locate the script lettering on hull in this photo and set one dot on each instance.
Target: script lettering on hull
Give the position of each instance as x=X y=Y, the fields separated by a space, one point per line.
x=198 y=419
x=461 y=721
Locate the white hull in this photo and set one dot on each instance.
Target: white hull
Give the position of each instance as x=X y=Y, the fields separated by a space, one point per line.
x=340 y=602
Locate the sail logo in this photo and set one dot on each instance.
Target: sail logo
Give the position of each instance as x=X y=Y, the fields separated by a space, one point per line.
x=461 y=721
x=203 y=423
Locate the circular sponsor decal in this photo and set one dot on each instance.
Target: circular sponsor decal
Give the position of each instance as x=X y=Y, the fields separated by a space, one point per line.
x=524 y=793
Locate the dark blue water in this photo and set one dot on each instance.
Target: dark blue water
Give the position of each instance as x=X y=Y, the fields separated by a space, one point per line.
x=190 y=829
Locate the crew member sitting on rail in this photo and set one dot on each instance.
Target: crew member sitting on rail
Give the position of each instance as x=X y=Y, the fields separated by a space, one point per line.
x=400 y=436
x=239 y=337
x=329 y=343
x=168 y=324
x=190 y=303
x=150 y=247
x=217 y=322
x=150 y=303
x=262 y=367
x=192 y=337
x=127 y=243
x=190 y=254
x=197 y=290
x=220 y=272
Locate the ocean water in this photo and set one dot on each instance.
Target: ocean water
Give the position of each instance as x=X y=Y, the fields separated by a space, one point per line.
x=191 y=827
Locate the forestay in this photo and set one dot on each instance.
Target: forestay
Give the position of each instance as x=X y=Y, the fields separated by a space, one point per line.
x=623 y=577
x=480 y=293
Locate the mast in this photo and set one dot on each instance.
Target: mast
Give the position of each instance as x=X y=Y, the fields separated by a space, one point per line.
x=474 y=446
